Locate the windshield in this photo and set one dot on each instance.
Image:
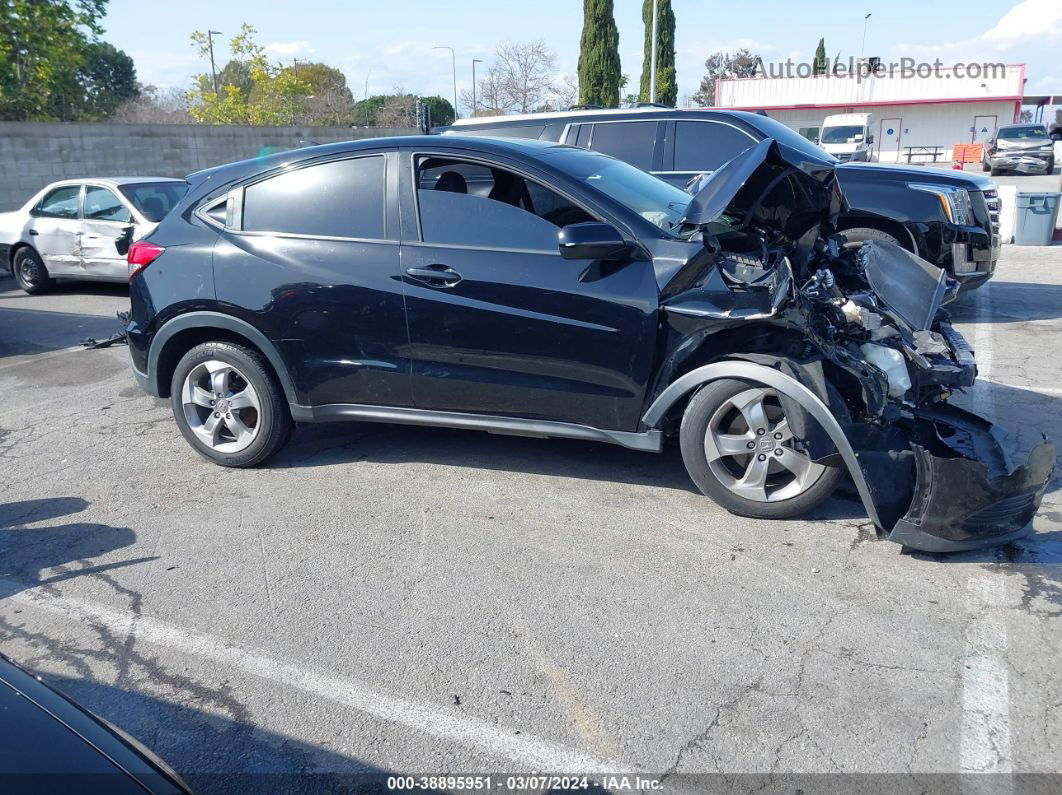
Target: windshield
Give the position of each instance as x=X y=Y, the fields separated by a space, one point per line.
x=653 y=199
x=1022 y=133
x=841 y=135
x=154 y=199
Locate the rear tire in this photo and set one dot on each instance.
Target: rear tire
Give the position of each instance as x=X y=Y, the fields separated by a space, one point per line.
x=30 y=273
x=995 y=172
x=228 y=404
x=985 y=166
x=762 y=483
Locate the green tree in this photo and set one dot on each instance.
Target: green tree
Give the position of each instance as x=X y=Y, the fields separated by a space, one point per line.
x=666 y=81
x=399 y=110
x=442 y=111
x=43 y=43
x=819 y=67
x=599 y=61
x=274 y=95
x=107 y=78
x=236 y=73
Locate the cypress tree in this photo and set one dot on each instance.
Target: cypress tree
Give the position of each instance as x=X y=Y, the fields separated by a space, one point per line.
x=819 y=67
x=666 y=82
x=599 y=61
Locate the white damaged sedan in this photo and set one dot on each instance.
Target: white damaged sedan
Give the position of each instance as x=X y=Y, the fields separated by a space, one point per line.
x=73 y=229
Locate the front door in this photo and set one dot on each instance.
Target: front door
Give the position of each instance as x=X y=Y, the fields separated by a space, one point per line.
x=500 y=324
x=983 y=130
x=104 y=218
x=54 y=230
x=890 y=133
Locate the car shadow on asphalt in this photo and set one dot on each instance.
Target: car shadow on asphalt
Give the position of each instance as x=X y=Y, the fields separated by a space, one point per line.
x=1010 y=302
x=222 y=750
x=329 y=445
x=35 y=556
x=25 y=332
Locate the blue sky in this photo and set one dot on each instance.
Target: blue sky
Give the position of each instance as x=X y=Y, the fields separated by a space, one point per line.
x=389 y=44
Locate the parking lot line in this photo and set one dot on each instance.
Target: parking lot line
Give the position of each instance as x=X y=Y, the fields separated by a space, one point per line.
x=491 y=739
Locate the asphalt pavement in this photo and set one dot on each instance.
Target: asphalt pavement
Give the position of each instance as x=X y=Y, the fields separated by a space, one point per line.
x=408 y=600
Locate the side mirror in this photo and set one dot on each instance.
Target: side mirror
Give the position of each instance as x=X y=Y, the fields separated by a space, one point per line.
x=591 y=240
x=870 y=139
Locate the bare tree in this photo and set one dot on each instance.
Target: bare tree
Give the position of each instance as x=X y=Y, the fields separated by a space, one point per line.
x=400 y=110
x=521 y=80
x=721 y=65
x=565 y=92
x=155 y=106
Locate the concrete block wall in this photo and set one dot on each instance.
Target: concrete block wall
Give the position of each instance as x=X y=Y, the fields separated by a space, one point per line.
x=32 y=154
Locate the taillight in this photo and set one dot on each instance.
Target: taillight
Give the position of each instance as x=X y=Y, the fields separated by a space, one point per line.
x=140 y=255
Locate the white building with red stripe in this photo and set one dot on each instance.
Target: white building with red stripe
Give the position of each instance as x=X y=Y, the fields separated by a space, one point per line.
x=914 y=113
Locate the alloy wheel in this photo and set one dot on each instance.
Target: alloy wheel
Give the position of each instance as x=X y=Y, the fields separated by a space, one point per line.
x=221 y=406
x=751 y=449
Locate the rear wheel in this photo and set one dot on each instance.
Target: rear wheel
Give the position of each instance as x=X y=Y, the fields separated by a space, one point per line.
x=228 y=405
x=30 y=273
x=740 y=451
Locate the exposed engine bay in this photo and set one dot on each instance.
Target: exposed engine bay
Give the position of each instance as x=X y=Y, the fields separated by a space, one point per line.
x=865 y=328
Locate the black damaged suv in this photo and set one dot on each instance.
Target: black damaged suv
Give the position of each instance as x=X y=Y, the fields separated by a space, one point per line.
x=526 y=287
x=947 y=218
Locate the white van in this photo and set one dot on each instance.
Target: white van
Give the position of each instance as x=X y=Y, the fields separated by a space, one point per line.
x=847 y=136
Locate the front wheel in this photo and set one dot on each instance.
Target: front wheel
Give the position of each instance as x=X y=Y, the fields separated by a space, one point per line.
x=228 y=405
x=740 y=451
x=858 y=235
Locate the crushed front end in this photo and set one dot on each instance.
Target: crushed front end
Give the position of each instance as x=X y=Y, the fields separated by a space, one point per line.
x=864 y=328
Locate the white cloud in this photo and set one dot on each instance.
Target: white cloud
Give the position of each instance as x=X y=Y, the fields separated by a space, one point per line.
x=289 y=48
x=1028 y=19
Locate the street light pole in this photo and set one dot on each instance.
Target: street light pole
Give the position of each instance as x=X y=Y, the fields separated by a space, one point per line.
x=652 y=56
x=863 y=46
x=453 y=63
x=210 y=45
x=474 y=108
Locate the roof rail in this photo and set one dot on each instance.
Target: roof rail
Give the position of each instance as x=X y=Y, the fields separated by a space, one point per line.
x=652 y=105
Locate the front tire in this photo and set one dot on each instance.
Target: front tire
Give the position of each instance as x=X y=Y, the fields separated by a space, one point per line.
x=858 y=235
x=30 y=273
x=228 y=404
x=772 y=479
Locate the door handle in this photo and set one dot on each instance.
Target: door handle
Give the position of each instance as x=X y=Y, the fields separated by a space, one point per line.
x=436 y=273
x=34 y=232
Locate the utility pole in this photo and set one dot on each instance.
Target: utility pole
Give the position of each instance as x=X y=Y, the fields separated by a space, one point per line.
x=210 y=44
x=652 y=55
x=863 y=46
x=453 y=63
x=474 y=62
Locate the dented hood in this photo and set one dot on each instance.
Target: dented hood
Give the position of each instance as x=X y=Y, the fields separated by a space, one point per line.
x=769 y=184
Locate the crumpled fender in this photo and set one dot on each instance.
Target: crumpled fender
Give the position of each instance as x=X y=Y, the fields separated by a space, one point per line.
x=942 y=481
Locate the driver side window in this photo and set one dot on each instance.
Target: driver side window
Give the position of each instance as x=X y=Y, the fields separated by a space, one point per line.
x=473 y=204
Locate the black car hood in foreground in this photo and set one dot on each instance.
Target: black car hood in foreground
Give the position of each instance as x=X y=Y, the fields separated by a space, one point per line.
x=771 y=185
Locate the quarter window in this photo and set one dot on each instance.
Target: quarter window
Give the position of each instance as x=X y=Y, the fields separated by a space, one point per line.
x=60 y=203
x=102 y=205
x=706 y=145
x=343 y=198
x=630 y=141
x=471 y=204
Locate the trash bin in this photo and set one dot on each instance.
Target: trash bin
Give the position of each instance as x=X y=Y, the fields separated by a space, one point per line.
x=1034 y=218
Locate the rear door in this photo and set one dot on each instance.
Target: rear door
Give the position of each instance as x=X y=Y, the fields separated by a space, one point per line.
x=312 y=260
x=54 y=230
x=103 y=219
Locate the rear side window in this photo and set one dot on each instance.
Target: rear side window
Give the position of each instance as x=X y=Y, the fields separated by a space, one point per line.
x=60 y=203
x=102 y=205
x=706 y=145
x=154 y=199
x=630 y=141
x=343 y=198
